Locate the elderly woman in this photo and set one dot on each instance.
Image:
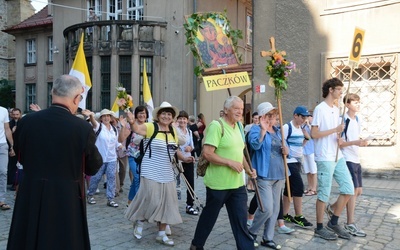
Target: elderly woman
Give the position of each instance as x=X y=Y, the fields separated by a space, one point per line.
x=107 y=143
x=266 y=141
x=156 y=199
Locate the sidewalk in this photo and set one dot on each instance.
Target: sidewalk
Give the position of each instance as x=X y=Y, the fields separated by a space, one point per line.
x=377 y=212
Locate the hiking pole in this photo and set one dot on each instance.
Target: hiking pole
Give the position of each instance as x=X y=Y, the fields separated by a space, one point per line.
x=253 y=180
x=192 y=193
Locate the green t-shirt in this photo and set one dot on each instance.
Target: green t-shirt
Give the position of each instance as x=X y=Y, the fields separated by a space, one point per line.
x=230 y=146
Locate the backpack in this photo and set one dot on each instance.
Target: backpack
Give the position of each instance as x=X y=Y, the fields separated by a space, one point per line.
x=202 y=163
x=142 y=150
x=346 y=126
x=99 y=130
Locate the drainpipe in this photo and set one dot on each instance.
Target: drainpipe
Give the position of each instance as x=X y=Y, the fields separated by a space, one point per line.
x=194 y=75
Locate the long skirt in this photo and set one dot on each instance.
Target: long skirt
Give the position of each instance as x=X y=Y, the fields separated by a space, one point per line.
x=155 y=202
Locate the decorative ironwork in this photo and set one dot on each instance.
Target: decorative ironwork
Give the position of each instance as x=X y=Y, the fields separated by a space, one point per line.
x=375 y=81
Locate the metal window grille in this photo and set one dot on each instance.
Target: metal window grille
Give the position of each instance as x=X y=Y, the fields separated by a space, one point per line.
x=125 y=72
x=49 y=97
x=105 y=82
x=375 y=81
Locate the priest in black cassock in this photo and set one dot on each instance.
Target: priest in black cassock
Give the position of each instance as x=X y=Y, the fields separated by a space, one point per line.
x=55 y=148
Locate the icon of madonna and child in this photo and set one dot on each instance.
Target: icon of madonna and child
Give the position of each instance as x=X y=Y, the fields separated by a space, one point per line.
x=214 y=47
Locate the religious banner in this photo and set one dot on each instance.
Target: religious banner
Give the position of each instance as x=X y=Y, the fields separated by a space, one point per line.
x=224 y=81
x=211 y=41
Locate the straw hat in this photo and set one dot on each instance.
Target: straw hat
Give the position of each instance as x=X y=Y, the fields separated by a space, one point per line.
x=106 y=112
x=164 y=105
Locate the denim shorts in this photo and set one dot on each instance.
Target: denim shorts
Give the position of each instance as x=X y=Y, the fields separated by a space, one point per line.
x=339 y=171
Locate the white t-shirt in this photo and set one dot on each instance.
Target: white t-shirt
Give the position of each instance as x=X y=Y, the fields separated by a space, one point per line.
x=350 y=153
x=248 y=127
x=295 y=140
x=325 y=118
x=3 y=120
x=107 y=143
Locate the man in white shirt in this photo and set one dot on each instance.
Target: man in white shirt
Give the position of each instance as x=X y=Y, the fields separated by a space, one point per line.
x=5 y=134
x=325 y=131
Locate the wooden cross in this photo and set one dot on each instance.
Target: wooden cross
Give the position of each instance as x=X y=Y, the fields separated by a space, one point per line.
x=273 y=50
x=271 y=54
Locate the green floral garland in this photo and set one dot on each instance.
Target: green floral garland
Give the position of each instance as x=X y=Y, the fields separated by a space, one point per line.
x=193 y=24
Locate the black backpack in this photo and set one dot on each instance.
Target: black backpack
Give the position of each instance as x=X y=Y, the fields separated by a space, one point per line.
x=139 y=158
x=98 y=131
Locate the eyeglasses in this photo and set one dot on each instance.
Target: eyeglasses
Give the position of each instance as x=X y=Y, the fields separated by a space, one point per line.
x=80 y=97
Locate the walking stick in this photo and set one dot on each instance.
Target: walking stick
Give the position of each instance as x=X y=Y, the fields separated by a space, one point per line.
x=253 y=180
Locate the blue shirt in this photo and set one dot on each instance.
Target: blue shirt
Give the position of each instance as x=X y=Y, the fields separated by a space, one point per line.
x=267 y=154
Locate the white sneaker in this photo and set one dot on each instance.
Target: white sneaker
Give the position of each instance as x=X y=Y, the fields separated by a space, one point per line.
x=354 y=230
x=163 y=239
x=285 y=230
x=138 y=229
x=97 y=191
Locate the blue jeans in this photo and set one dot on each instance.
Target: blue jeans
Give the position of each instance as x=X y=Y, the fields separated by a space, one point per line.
x=3 y=170
x=108 y=168
x=235 y=201
x=136 y=179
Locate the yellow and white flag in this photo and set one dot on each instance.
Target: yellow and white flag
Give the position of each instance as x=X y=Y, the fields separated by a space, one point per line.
x=148 y=100
x=80 y=70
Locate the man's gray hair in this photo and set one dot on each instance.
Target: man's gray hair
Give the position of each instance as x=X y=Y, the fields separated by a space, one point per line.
x=66 y=86
x=230 y=100
x=192 y=118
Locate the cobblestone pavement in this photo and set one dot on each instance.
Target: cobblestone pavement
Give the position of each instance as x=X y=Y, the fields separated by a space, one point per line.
x=377 y=213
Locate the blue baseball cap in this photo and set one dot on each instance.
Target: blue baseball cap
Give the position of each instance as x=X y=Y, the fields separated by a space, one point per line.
x=301 y=110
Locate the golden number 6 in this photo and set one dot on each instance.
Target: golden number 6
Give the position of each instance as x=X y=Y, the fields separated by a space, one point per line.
x=356 y=49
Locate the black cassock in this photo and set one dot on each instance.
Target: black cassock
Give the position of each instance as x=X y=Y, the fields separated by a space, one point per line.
x=55 y=149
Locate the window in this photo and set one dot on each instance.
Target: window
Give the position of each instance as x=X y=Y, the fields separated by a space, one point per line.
x=30 y=96
x=114 y=10
x=49 y=97
x=125 y=75
x=30 y=51
x=149 y=71
x=249 y=30
x=135 y=10
x=50 y=48
x=96 y=5
x=105 y=82
x=375 y=81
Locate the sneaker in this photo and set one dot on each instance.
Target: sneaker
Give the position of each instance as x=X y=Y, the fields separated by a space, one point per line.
x=329 y=211
x=339 y=231
x=354 y=230
x=254 y=239
x=97 y=191
x=289 y=218
x=138 y=229
x=301 y=221
x=270 y=244
x=112 y=204
x=325 y=234
x=163 y=239
x=91 y=200
x=285 y=230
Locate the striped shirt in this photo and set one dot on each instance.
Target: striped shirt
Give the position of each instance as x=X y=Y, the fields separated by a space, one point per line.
x=158 y=167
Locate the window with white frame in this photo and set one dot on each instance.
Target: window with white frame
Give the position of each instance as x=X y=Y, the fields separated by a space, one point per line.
x=30 y=51
x=249 y=29
x=114 y=10
x=135 y=10
x=96 y=5
x=50 y=48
